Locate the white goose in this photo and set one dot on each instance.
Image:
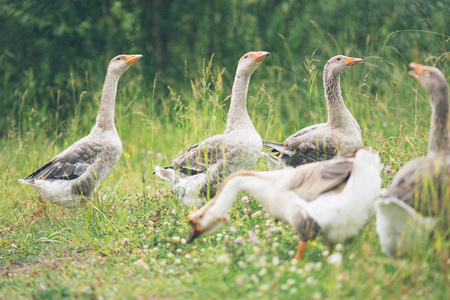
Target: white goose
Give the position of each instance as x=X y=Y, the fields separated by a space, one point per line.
x=333 y=198
x=74 y=173
x=341 y=135
x=420 y=192
x=200 y=171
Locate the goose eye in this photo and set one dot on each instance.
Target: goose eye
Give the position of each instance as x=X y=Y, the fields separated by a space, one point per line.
x=246 y=56
x=338 y=58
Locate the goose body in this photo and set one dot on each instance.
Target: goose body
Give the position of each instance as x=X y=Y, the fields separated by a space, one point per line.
x=338 y=137
x=333 y=199
x=197 y=174
x=74 y=173
x=420 y=191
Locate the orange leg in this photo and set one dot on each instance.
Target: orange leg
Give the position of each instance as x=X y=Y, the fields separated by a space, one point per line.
x=301 y=249
x=40 y=210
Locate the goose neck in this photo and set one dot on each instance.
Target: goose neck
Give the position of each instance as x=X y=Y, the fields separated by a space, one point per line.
x=338 y=114
x=439 y=138
x=105 y=116
x=237 y=114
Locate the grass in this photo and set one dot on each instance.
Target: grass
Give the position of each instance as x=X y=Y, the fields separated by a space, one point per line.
x=129 y=241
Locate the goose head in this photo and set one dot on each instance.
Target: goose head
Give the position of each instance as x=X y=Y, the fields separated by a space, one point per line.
x=251 y=61
x=340 y=63
x=430 y=77
x=119 y=64
x=205 y=221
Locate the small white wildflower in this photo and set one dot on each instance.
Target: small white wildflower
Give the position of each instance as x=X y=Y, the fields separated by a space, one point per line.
x=325 y=253
x=290 y=281
x=309 y=280
x=293 y=290
x=183 y=241
x=275 y=260
x=177 y=261
x=187 y=256
x=169 y=255
x=179 y=250
x=318 y=265
x=254 y=278
x=223 y=259
x=195 y=260
x=264 y=287
x=275 y=244
x=241 y=263
x=292 y=268
x=262 y=272
x=284 y=287
x=176 y=239
x=335 y=258
x=338 y=247
x=219 y=235
x=317 y=295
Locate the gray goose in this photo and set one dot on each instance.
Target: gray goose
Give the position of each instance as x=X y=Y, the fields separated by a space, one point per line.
x=409 y=209
x=341 y=135
x=73 y=174
x=200 y=171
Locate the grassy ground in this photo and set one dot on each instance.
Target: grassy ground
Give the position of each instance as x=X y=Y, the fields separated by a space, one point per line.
x=129 y=241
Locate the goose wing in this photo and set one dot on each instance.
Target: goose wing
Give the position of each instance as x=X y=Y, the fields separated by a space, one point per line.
x=70 y=164
x=314 y=143
x=312 y=180
x=422 y=183
x=201 y=156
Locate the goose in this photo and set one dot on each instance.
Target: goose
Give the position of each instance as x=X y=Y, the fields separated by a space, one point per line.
x=203 y=167
x=333 y=199
x=339 y=136
x=72 y=175
x=410 y=208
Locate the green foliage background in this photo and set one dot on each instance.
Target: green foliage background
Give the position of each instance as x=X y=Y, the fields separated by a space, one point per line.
x=45 y=44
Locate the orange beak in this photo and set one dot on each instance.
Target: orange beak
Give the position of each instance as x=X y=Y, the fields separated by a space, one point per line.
x=352 y=61
x=131 y=59
x=418 y=70
x=259 y=56
x=195 y=231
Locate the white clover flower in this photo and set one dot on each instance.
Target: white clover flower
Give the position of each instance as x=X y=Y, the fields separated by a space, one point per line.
x=176 y=239
x=335 y=258
x=262 y=272
x=177 y=261
x=338 y=247
x=183 y=241
x=195 y=260
x=284 y=287
x=309 y=280
x=169 y=255
x=219 y=235
x=264 y=287
x=325 y=253
x=293 y=290
x=187 y=256
x=254 y=278
x=317 y=295
x=318 y=265
x=291 y=252
x=275 y=260
x=290 y=281
x=223 y=259
x=179 y=250
x=275 y=244
x=241 y=263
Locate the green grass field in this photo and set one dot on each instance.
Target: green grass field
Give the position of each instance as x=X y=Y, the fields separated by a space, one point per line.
x=129 y=242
